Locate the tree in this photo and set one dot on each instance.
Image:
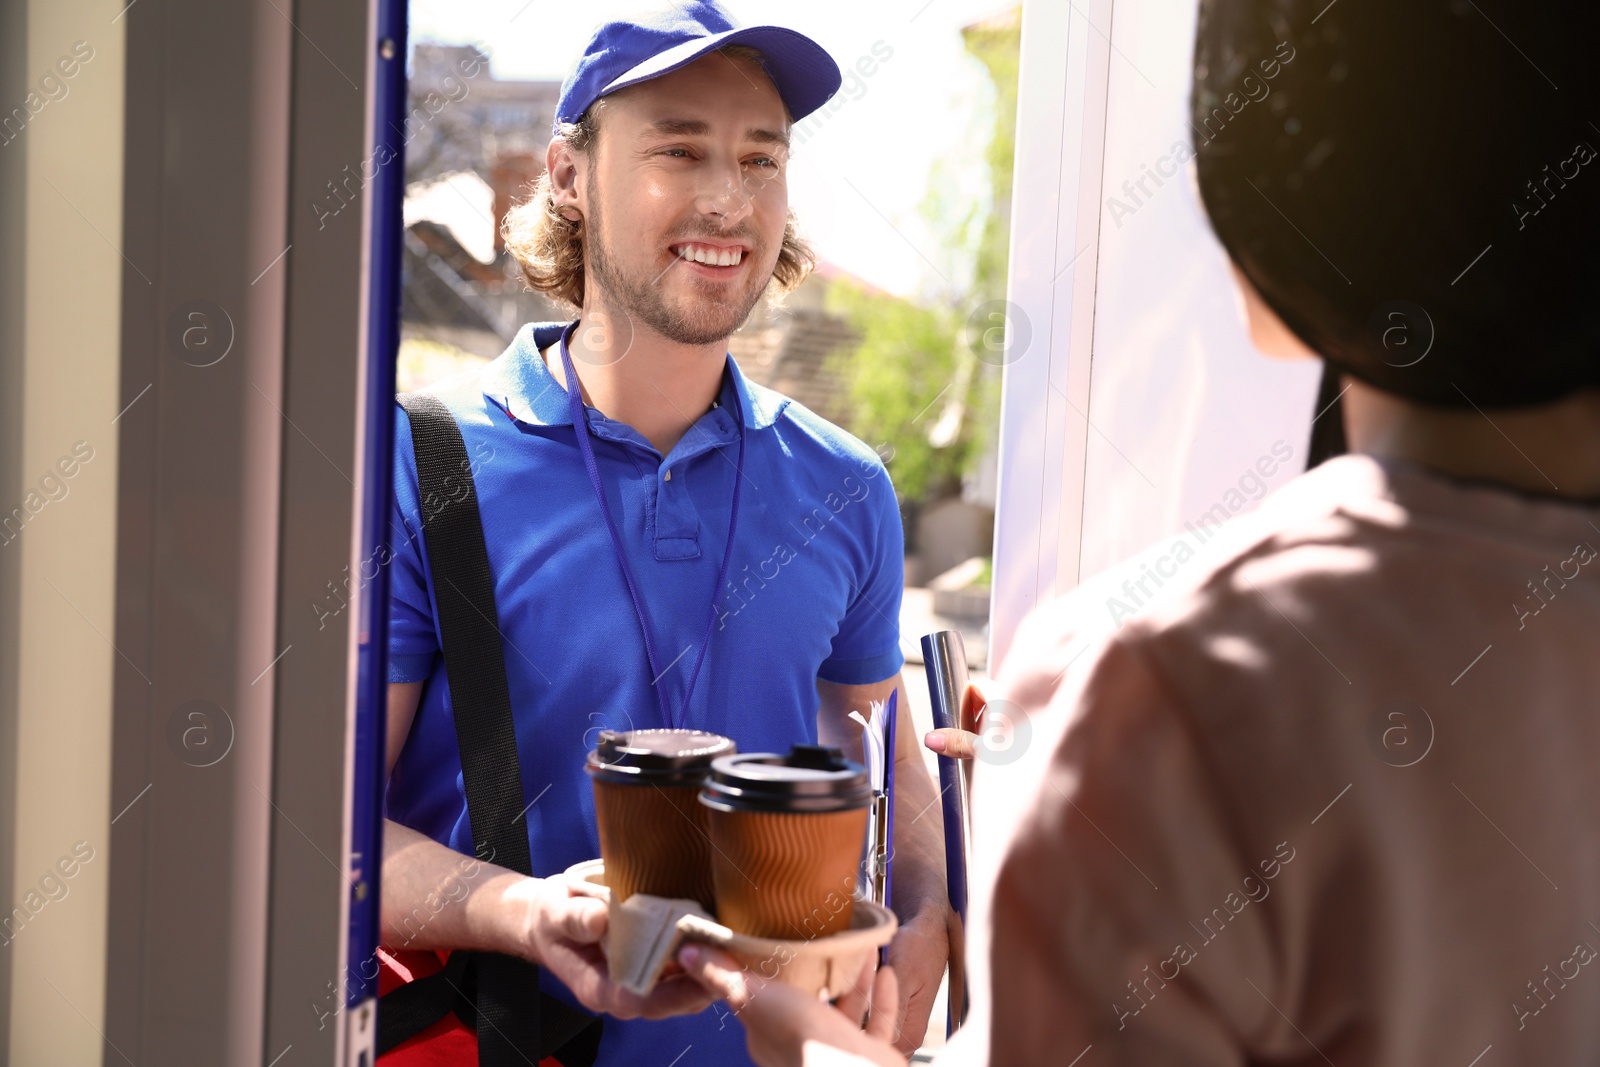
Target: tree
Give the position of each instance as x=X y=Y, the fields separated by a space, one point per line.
x=897 y=377
x=924 y=383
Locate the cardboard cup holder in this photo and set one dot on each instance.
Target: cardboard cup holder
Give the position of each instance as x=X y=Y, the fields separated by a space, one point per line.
x=644 y=932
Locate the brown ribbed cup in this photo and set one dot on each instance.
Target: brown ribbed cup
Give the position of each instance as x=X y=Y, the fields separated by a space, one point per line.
x=789 y=876
x=786 y=835
x=653 y=833
x=653 y=839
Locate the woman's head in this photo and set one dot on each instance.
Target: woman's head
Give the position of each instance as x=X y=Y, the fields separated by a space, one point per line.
x=1413 y=189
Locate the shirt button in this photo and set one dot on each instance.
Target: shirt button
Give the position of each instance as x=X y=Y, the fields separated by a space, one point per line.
x=668 y=478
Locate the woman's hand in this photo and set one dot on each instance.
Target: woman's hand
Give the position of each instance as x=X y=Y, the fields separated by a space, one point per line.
x=786 y=1028
x=961 y=743
x=957 y=744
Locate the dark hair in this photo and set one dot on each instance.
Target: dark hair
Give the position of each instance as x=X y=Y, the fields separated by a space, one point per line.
x=1413 y=188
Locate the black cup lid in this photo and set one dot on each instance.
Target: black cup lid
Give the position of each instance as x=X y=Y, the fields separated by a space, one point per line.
x=812 y=778
x=657 y=754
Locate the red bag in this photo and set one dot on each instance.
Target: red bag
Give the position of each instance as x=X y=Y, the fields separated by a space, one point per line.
x=448 y=1042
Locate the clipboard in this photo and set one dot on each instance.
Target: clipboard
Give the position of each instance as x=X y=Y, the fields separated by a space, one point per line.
x=878 y=751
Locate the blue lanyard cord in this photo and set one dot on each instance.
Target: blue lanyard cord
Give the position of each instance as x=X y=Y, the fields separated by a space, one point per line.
x=580 y=426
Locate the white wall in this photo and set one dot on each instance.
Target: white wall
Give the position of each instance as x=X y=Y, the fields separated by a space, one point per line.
x=1138 y=403
x=1176 y=385
x=71 y=322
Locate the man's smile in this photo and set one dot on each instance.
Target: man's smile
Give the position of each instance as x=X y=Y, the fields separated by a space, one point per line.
x=711 y=258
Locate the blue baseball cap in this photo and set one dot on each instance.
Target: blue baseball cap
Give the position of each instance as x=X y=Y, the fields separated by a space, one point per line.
x=628 y=51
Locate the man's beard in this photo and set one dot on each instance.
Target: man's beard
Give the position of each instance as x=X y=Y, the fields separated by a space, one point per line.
x=695 y=322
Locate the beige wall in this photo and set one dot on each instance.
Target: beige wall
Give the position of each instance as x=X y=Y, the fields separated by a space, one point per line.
x=70 y=395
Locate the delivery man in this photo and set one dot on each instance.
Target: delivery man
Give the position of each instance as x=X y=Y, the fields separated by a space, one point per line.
x=671 y=544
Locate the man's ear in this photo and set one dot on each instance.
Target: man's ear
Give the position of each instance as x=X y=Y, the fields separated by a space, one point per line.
x=562 y=163
x=1267 y=331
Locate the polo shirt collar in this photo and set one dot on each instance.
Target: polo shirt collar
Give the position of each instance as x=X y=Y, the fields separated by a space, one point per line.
x=519 y=381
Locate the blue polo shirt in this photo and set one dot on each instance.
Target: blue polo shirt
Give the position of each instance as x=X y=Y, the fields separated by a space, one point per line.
x=813 y=591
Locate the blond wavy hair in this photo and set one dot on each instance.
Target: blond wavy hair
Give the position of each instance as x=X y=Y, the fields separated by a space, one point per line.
x=549 y=247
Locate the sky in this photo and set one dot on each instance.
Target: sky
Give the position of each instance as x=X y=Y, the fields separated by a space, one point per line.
x=858 y=179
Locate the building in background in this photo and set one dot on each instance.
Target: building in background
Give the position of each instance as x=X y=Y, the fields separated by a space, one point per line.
x=474 y=156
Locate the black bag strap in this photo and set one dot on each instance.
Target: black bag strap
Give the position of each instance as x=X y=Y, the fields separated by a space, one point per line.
x=412 y=1008
x=415 y=1006
x=516 y=1024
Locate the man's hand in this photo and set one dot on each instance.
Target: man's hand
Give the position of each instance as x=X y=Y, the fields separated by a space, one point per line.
x=918 y=953
x=436 y=898
x=563 y=934
x=786 y=1028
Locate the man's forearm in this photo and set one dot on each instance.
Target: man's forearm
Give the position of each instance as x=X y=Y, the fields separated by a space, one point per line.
x=919 y=876
x=435 y=897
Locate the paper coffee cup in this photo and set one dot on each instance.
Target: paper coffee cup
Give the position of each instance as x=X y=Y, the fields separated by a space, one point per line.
x=653 y=834
x=787 y=834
